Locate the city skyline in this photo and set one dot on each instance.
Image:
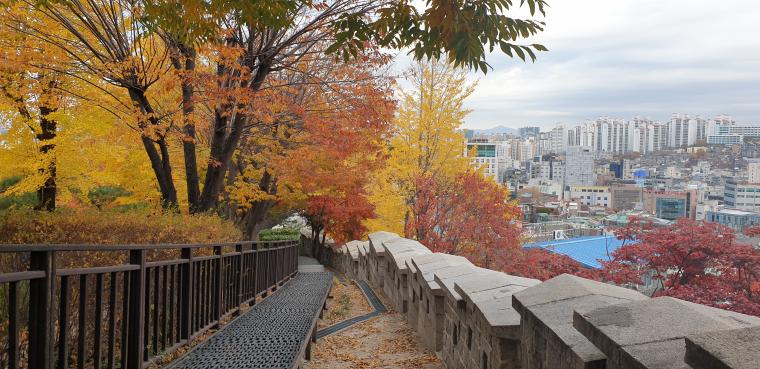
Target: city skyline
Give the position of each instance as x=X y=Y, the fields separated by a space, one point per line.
x=627 y=58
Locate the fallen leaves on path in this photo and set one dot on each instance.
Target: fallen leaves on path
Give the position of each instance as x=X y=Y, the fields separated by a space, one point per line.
x=385 y=341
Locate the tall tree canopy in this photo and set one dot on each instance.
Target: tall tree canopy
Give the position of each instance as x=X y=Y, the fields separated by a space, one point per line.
x=425 y=142
x=221 y=93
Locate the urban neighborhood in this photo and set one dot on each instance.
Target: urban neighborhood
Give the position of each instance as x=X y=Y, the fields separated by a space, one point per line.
x=379 y=184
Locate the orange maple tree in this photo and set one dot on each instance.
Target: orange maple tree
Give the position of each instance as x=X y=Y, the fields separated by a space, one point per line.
x=313 y=151
x=333 y=169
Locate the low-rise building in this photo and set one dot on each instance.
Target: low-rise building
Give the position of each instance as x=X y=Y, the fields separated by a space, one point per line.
x=741 y=195
x=671 y=205
x=737 y=220
x=591 y=195
x=625 y=196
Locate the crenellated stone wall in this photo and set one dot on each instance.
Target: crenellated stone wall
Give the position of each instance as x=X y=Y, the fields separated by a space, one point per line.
x=479 y=318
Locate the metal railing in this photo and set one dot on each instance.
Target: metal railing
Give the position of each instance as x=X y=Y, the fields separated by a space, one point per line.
x=144 y=304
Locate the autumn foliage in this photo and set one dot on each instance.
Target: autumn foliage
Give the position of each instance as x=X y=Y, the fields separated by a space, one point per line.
x=89 y=226
x=429 y=191
x=471 y=216
x=691 y=260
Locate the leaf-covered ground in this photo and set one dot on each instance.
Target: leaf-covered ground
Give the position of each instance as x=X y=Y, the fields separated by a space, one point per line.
x=347 y=302
x=385 y=341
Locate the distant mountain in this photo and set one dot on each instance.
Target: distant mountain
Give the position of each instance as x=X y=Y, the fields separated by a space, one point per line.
x=497 y=130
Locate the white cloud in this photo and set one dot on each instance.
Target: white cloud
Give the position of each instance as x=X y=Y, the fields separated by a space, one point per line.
x=627 y=57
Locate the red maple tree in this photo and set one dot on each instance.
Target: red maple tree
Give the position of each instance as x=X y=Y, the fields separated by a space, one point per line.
x=691 y=260
x=470 y=216
x=473 y=217
x=753 y=231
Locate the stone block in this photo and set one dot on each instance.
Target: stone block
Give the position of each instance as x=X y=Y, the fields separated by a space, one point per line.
x=461 y=338
x=363 y=252
x=568 y=286
x=426 y=312
x=650 y=334
x=376 y=257
x=396 y=278
x=547 y=337
x=352 y=248
x=730 y=349
x=376 y=240
x=489 y=314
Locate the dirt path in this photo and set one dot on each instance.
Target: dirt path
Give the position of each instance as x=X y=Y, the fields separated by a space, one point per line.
x=385 y=341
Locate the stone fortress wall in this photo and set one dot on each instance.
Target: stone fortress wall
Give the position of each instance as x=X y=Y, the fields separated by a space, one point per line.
x=479 y=318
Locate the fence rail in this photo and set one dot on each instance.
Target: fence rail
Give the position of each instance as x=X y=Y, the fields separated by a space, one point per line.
x=128 y=314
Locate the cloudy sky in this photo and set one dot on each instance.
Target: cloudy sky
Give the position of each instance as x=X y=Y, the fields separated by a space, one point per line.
x=626 y=57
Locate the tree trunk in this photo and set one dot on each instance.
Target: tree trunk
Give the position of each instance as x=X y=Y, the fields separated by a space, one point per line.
x=259 y=210
x=224 y=144
x=255 y=218
x=46 y=193
x=186 y=64
x=321 y=247
x=158 y=161
x=315 y=232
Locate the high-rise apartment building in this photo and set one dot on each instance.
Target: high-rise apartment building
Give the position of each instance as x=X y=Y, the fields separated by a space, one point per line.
x=558 y=140
x=684 y=130
x=611 y=135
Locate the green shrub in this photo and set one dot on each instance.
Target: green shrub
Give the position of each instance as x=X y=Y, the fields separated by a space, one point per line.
x=103 y=196
x=91 y=226
x=27 y=200
x=279 y=234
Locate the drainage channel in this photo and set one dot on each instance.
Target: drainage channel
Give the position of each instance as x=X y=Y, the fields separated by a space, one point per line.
x=377 y=306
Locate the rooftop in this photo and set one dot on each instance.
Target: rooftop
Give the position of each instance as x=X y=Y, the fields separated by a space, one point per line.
x=585 y=250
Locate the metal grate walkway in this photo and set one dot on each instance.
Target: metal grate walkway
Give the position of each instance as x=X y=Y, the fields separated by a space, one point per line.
x=273 y=334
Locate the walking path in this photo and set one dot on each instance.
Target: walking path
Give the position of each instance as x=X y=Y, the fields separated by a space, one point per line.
x=274 y=333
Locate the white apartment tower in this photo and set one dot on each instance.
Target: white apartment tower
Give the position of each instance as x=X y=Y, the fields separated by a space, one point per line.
x=610 y=135
x=558 y=140
x=683 y=130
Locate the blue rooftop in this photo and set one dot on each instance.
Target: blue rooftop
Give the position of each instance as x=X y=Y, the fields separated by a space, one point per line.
x=585 y=250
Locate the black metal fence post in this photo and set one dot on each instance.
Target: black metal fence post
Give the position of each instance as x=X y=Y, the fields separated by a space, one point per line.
x=255 y=271
x=41 y=292
x=240 y=277
x=216 y=308
x=136 y=337
x=185 y=304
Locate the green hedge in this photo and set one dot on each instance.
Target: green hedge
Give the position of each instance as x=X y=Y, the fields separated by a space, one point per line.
x=279 y=234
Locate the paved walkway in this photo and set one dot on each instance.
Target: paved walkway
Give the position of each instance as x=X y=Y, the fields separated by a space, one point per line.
x=309 y=265
x=273 y=334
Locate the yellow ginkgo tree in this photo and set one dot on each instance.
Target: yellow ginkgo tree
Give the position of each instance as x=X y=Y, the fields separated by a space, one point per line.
x=425 y=143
